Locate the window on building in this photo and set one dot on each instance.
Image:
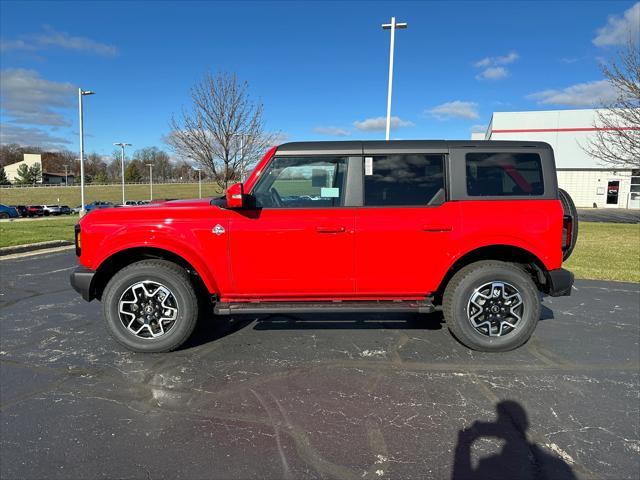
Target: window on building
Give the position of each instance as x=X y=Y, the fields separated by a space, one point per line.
x=403 y=179
x=635 y=185
x=504 y=174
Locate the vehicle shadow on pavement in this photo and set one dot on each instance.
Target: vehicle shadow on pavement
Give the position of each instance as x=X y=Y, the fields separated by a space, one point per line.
x=519 y=458
x=213 y=328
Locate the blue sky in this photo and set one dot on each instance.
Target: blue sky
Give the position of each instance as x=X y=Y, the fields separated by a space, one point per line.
x=320 y=68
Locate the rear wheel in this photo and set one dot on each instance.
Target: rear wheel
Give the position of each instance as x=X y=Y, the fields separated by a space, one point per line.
x=491 y=306
x=4 y=215
x=150 y=306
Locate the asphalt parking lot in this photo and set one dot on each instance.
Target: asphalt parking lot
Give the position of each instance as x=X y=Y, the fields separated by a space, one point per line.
x=609 y=215
x=384 y=396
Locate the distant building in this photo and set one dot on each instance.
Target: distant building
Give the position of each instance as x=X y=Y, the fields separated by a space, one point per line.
x=48 y=178
x=568 y=132
x=30 y=159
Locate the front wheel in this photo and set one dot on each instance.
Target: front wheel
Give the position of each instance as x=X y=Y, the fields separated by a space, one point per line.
x=150 y=306
x=491 y=306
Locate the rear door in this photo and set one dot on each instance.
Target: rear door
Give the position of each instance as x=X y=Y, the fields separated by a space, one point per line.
x=405 y=228
x=298 y=241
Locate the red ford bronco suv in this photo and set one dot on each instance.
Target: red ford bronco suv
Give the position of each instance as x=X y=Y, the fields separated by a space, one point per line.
x=478 y=229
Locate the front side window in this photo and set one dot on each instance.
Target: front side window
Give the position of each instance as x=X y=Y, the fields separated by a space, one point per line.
x=409 y=180
x=504 y=174
x=309 y=182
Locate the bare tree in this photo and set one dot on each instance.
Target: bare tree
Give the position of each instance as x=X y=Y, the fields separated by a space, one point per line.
x=223 y=131
x=617 y=140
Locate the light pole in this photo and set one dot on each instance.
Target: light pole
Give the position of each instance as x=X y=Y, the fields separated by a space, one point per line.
x=391 y=26
x=122 y=145
x=199 y=170
x=66 y=183
x=242 y=163
x=150 y=165
x=82 y=93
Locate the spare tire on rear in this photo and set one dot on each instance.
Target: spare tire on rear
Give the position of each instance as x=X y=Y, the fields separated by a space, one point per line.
x=570 y=211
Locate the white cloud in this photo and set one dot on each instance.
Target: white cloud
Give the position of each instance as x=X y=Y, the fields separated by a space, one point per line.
x=478 y=128
x=31 y=136
x=28 y=98
x=493 y=73
x=501 y=60
x=580 y=95
x=379 y=124
x=332 y=131
x=568 y=60
x=455 y=109
x=492 y=69
x=619 y=29
x=52 y=38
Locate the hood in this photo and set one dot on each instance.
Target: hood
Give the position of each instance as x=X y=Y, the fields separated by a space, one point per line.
x=158 y=211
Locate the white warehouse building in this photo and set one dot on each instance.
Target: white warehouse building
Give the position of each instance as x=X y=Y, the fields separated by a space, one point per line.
x=589 y=183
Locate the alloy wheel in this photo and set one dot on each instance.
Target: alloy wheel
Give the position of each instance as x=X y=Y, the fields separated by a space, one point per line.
x=148 y=309
x=495 y=309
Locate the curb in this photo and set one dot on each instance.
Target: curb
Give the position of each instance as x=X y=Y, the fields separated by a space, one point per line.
x=30 y=247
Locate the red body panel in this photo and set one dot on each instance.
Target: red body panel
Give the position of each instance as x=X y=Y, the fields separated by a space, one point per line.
x=324 y=253
x=292 y=252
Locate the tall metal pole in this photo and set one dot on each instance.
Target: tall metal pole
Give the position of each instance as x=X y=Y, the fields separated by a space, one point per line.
x=199 y=184
x=82 y=93
x=82 y=204
x=122 y=145
x=150 y=165
x=392 y=26
x=242 y=162
x=66 y=183
x=122 y=166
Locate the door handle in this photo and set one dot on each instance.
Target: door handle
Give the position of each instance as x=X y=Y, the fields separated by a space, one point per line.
x=437 y=228
x=327 y=229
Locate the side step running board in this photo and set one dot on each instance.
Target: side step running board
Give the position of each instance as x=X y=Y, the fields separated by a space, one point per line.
x=260 y=308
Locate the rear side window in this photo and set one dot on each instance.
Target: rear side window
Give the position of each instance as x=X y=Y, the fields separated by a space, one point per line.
x=504 y=174
x=403 y=179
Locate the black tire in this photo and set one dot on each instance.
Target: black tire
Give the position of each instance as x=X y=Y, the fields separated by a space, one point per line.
x=570 y=210
x=460 y=290
x=4 y=215
x=176 y=280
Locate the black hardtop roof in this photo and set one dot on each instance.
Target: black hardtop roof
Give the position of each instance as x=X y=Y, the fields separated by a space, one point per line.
x=398 y=146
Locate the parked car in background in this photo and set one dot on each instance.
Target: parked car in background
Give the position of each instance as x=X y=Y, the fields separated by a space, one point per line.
x=65 y=210
x=35 y=211
x=8 y=212
x=97 y=205
x=21 y=209
x=51 y=210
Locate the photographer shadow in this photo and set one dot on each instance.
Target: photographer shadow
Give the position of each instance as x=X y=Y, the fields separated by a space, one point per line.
x=519 y=458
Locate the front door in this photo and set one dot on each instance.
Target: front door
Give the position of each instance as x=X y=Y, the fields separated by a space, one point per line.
x=298 y=241
x=405 y=227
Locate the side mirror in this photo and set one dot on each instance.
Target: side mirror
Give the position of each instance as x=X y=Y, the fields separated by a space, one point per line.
x=235 y=196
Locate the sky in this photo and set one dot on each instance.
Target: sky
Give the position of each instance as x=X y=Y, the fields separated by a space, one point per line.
x=319 y=68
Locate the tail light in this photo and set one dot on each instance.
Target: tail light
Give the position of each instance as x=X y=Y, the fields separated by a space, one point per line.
x=567 y=232
x=77 y=239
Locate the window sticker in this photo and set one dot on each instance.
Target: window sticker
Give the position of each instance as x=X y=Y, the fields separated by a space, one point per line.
x=328 y=192
x=368 y=165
